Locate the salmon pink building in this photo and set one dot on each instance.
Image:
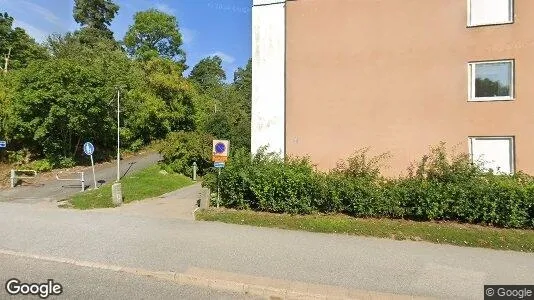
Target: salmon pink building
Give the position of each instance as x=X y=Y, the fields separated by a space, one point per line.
x=398 y=76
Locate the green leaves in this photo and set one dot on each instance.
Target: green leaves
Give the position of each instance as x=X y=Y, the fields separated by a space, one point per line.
x=445 y=188
x=209 y=75
x=154 y=33
x=181 y=149
x=162 y=103
x=225 y=108
x=58 y=102
x=95 y=14
x=18 y=46
x=64 y=93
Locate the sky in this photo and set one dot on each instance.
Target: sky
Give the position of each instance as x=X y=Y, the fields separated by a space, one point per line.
x=208 y=27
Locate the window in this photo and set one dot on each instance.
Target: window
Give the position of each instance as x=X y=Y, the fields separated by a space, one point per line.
x=492 y=80
x=489 y=12
x=493 y=153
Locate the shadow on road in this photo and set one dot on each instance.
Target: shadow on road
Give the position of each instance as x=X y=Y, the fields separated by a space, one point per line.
x=75 y=186
x=26 y=183
x=127 y=170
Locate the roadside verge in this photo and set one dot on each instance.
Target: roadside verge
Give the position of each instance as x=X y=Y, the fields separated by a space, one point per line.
x=435 y=232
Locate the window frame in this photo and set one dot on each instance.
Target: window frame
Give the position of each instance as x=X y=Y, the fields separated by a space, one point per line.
x=511 y=19
x=510 y=138
x=471 y=70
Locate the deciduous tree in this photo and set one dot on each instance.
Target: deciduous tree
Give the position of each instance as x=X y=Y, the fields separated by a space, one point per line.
x=17 y=48
x=154 y=33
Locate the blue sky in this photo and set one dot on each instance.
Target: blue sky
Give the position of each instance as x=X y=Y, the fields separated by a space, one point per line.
x=209 y=27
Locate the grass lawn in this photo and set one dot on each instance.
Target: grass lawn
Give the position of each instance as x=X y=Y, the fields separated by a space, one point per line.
x=436 y=232
x=144 y=184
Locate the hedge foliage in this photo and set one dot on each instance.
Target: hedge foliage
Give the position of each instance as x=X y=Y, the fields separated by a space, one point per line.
x=439 y=187
x=181 y=149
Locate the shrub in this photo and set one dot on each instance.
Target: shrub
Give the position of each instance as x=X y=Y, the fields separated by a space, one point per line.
x=19 y=157
x=358 y=165
x=65 y=162
x=439 y=187
x=42 y=165
x=181 y=149
x=442 y=167
x=234 y=190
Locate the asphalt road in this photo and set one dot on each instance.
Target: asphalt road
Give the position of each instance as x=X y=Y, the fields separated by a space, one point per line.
x=48 y=190
x=166 y=244
x=89 y=283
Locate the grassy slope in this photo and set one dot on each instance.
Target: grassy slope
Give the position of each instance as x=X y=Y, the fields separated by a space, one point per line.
x=444 y=232
x=144 y=184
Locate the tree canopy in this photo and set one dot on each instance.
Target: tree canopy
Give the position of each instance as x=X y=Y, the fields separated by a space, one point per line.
x=208 y=73
x=61 y=94
x=95 y=15
x=16 y=47
x=154 y=33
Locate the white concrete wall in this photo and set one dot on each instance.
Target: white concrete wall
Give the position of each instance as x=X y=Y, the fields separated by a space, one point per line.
x=268 y=75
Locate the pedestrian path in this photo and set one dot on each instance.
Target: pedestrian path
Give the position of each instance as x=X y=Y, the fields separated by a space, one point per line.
x=179 y=204
x=47 y=190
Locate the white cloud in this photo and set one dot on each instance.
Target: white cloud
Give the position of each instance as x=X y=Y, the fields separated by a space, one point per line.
x=225 y=57
x=38 y=34
x=47 y=14
x=164 y=8
x=187 y=35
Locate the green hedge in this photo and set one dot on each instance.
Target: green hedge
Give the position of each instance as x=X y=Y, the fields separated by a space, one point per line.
x=181 y=149
x=437 y=188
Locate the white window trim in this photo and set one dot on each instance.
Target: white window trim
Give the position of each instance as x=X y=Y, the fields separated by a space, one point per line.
x=512 y=148
x=511 y=21
x=471 y=91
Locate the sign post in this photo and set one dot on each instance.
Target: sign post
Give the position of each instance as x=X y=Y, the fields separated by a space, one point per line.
x=88 y=148
x=220 y=156
x=3 y=145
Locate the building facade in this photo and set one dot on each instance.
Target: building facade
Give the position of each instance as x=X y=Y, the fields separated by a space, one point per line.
x=397 y=76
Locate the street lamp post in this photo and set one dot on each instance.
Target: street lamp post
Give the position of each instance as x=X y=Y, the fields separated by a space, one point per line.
x=118 y=135
x=116 y=190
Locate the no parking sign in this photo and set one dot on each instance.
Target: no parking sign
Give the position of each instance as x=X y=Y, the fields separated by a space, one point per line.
x=220 y=150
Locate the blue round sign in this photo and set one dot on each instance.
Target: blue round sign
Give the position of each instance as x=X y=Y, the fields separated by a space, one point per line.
x=88 y=148
x=220 y=148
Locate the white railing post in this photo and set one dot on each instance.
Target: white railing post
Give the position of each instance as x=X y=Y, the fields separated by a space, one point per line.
x=81 y=179
x=12 y=177
x=83 y=182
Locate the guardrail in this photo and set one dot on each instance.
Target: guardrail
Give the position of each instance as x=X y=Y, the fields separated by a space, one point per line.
x=14 y=177
x=81 y=179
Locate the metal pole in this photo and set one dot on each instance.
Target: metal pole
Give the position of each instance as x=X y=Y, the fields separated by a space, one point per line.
x=218 y=188
x=94 y=176
x=118 y=136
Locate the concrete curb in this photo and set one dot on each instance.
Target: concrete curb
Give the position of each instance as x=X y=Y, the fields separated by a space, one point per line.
x=231 y=282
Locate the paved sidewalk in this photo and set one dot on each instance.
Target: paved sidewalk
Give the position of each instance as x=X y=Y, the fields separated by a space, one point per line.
x=244 y=252
x=179 y=204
